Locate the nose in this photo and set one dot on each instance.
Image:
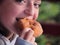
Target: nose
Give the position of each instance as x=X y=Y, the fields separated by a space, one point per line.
x=29 y=9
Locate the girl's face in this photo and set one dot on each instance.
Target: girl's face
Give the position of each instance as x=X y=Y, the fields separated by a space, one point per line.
x=10 y=10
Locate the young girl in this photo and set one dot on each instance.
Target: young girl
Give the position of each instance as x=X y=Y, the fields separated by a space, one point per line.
x=10 y=11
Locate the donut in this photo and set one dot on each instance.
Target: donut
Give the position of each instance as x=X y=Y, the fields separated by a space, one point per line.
x=28 y=23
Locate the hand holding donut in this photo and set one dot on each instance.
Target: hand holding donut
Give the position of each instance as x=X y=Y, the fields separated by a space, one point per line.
x=28 y=23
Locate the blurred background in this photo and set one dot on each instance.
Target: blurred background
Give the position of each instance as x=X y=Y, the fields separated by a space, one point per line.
x=49 y=17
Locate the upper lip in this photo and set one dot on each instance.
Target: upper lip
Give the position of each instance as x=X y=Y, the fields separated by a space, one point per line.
x=17 y=19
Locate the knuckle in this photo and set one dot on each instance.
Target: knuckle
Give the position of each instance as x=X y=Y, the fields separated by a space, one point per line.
x=35 y=43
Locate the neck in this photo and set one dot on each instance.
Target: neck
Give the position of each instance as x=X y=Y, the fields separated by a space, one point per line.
x=5 y=32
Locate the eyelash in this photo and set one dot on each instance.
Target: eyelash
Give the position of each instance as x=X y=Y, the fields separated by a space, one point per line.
x=37 y=5
x=19 y=0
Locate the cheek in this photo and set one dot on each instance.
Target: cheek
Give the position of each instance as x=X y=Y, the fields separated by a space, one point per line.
x=10 y=12
x=36 y=14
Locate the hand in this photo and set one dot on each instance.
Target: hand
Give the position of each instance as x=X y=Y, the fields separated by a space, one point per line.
x=27 y=34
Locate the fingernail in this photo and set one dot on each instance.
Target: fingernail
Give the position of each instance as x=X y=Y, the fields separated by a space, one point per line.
x=31 y=31
x=27 y=29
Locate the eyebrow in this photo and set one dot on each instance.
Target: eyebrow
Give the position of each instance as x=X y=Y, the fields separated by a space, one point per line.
x=38 y=0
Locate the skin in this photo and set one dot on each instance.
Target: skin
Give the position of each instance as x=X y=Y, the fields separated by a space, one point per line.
x=12 y=9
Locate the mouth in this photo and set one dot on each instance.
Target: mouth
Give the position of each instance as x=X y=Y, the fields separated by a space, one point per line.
x=17 y=19
x=29 y=18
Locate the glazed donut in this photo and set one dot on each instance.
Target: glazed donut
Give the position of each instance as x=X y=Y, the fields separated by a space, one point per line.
x=28 y=23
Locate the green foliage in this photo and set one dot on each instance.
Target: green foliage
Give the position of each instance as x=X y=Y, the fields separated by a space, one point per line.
x=45 y=40
x=48 y=10
x=41 y=40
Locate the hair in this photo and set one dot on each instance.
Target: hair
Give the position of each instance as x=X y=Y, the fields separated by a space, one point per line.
x=1 y=1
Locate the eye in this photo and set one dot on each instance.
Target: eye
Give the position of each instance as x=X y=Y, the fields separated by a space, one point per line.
x=21 y=1
x=37 y=5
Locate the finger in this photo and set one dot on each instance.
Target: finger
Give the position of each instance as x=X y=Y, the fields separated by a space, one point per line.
x=23 y=33
x=35 y=43
x=32 y=39
x=29 y=35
